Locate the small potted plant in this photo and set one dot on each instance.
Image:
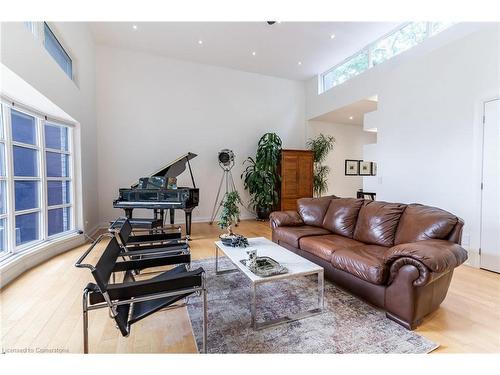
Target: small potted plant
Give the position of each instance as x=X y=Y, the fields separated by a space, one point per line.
x=229 y=215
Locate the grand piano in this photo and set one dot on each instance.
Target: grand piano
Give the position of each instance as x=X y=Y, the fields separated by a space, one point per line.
x=154 y=193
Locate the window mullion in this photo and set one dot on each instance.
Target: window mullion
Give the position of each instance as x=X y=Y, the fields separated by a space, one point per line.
x=370 y=58
x=28 y=211
x=72 y=179
x=26 y=145
x=64 y=179
x=9 y=164
x=43 y=188
x=57 y=151
x=428 y=30
x=56 y=206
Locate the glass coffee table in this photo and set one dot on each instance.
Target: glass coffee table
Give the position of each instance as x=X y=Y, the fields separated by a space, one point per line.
x=296 y=265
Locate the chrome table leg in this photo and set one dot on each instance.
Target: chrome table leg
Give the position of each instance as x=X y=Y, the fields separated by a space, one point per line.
x=253 y=307
x=321 y=290
x=292 y=317
x=205 y=320
x=216 y=259
x=217 y=272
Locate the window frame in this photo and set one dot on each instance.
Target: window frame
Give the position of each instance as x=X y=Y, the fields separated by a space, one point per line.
x=43 y=208
x=5 y=216
x=15 y=178
x=45 y=27
x=37 y=29
x=70 y=178
x=370 y=50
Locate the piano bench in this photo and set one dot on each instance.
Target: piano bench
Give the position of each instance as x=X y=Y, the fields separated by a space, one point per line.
x=139 y=223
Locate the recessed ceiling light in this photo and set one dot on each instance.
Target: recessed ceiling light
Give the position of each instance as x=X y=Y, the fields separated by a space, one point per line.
x=299 y=63
x=351 y=117
x=134 y=27
x=254 y=53
x=332 y=36
x=200 y=41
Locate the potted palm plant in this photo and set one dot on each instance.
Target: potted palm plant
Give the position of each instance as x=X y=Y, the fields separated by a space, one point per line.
x=320 y=146
x=260 y=176
x=229 y=215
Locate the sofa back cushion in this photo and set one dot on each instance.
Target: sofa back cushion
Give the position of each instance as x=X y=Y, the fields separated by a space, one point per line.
x=312 y=210
x=377 y=222
x=341 y=216
x=420 y=222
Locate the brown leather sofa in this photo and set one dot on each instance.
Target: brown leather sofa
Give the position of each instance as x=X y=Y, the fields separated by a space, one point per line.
x=398 y=257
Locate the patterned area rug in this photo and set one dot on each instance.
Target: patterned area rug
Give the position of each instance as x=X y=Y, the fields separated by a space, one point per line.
x=347 y=325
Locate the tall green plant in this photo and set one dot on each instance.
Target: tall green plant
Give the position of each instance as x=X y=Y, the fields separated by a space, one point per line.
x=230 y=211
x=260 y=176
x=321 y=147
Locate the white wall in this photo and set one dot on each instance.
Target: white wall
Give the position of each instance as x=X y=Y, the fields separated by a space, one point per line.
x=429 y=119
x=153 y=109
x=27 y=57
x=349 y=142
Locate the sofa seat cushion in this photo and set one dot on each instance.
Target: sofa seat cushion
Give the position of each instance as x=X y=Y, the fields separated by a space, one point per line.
x=377 y=222
x=292 y=235
x=420 y=223
x=365 y=261
x=324 y=246
x=341 y=216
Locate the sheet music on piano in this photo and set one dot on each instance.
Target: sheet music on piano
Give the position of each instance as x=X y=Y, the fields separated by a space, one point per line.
x=152 y=192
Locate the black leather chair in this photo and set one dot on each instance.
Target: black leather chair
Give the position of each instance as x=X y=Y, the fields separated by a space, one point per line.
x=132 y=300
x=124 y=230
x=143 y=246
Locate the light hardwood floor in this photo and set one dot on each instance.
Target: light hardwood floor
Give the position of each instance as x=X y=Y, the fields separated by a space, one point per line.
x=42 y=309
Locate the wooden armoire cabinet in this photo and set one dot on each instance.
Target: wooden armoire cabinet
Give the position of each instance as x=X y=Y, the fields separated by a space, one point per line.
x=296 y=171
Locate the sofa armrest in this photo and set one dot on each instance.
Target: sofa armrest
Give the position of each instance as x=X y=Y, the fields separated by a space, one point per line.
x=285 y=219
x=437 y=255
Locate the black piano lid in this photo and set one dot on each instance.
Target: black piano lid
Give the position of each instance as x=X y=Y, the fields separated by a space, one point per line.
x=174 y=168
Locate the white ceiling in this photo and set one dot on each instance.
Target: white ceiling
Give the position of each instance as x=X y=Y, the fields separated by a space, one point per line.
x=352 y=114
x=278 y=48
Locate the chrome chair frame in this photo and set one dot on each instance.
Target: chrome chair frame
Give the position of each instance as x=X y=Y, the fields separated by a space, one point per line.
x=148 y=240
x=113 y=305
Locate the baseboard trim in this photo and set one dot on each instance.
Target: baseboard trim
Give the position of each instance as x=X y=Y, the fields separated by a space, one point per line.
x=474 y=259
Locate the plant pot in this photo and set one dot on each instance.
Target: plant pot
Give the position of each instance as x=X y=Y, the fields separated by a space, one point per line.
x=263 y=213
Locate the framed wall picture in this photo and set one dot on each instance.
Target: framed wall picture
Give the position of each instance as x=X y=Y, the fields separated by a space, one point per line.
x=374 y=168
x=365 y=168
x=352 y=167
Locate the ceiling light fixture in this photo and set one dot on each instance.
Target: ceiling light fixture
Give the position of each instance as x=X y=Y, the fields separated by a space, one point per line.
x=351 y=117
x=332 y=36
x=299 y=63
x=254 y=53
x=134 y=27
x=200 y=41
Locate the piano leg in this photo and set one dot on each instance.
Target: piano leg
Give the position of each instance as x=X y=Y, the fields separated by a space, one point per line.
x=172 y=216
x=162 y=218
x=188 y=223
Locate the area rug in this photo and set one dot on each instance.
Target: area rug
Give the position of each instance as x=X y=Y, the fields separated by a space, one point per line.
x=347 y=325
